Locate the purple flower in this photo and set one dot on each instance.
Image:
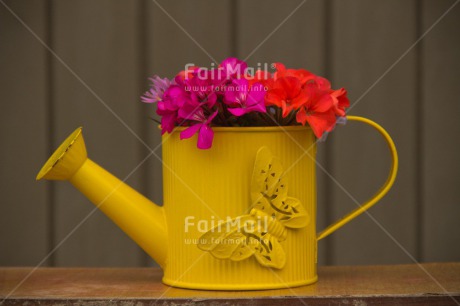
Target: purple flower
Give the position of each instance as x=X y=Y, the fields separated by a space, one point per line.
x=157 y=89
x=242 y=99
x=173 y=99
x=195 y=112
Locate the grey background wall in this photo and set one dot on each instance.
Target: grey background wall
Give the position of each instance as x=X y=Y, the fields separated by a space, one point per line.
x=69 y=63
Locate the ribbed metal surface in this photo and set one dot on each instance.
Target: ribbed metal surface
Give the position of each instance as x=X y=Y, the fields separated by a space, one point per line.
x=213 y=184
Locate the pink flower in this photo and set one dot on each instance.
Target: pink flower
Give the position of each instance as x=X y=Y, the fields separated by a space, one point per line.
x=157 y=89
x=201 y=87
x=173 y=99
x=200 y=124
x=233 y=68
x=243 y=98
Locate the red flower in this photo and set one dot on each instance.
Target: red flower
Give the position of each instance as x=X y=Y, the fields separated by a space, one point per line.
x=341 y=101
x=318 y=110
x=261 y=76
x=322 y=83
x=301 y=74
x=339 y=96
x=287 y=94
x=186 y=74
x=310 y=96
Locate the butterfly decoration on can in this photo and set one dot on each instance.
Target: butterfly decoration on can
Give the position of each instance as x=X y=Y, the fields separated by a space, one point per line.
x=260 y=232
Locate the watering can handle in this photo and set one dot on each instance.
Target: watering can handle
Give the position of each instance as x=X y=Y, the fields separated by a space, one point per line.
x=383 y=190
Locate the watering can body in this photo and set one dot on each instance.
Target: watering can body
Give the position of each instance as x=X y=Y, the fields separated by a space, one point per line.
x=205 y=185
x=207 y=188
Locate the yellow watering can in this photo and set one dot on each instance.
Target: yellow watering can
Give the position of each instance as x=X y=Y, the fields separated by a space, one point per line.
x=239 y=216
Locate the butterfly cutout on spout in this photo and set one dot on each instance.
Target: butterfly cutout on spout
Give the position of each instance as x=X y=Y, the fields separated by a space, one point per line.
x=260 y=232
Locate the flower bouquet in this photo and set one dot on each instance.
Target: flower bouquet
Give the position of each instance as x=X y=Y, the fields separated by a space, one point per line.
x=234 y=95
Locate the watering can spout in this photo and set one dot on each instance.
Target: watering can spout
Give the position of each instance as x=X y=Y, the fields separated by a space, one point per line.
x=138 y=217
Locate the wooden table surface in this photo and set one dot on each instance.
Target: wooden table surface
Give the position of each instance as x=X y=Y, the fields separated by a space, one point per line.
x=436 y=284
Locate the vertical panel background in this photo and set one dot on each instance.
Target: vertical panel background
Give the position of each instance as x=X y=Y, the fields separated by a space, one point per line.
x=24 y=139
x=368 y=37
x=111 y=47
x=440 y=145
x=95 y=39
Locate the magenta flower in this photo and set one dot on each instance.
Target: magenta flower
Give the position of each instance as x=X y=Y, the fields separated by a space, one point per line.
x=157 y=89
x=199 y=85
x=233 y=68
x=196 y=113
x=173 y=99
x=201 y=88
x=242 y=98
